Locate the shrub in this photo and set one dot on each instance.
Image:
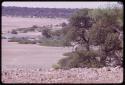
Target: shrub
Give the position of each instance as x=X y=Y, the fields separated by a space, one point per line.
x=53 y=42
x=98 y=27
x=24 y=31
x=34 y=26
x=112 y=42
x=14 y=32
x=13 y=39
x=79 y=59
x=21 y=40
x=26 y=41
x=56 y=66
x=46 y=33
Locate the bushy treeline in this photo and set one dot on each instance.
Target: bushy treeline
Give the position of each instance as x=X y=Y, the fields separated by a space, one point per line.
x=55 y=37
x=22 y=40
x=102 y=28
x=28 y=29
x=37 y=12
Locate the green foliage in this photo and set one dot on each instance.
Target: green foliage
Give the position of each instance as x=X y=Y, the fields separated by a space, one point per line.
x=71 y=35
x=13 y=39
x=79 y=59
x=99 y=27
x=109 y=17
x=28 y=29
x=58 y=38
x=98 y=35
x=37 y=12
x=21 y=40
x=81 y=19
x=25 y=41
x=56 y=66
x=112 y=42
x=80 y=24
x=54 y=42
x=56 y=33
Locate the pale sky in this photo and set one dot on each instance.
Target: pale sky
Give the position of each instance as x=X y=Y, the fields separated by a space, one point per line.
x=59 y=4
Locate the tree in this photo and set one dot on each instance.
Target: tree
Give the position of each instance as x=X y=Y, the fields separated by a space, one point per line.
x=105 y=33
x=98 y=27
x=81 y=23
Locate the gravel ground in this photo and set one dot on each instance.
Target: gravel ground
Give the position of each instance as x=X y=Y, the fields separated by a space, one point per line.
x=23 y=74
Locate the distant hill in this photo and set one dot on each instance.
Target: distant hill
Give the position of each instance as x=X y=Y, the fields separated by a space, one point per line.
x=37 y=12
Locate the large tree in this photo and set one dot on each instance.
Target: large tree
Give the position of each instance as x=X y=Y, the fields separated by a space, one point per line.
x=101 y=28
x=81 y=23
x=105 y=33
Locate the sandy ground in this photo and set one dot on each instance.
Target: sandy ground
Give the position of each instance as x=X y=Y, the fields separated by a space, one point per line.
x=29 y=54
x=9 y=23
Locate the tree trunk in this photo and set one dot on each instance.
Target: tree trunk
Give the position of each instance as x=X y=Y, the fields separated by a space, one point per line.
x=103 y=55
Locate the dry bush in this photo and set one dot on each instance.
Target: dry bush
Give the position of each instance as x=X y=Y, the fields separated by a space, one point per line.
x=79 y=59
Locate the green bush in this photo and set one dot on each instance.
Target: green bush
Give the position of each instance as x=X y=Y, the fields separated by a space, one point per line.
x=112 y=42
x=21 y=40
x=26 y=41
x=98 y=27
x=14 y=39
x=80 y=59
x=53 y=42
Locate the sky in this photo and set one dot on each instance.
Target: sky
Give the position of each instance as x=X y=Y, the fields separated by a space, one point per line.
x=58 y=4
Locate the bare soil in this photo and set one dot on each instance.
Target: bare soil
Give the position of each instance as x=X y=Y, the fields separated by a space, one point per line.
x=31 y=54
